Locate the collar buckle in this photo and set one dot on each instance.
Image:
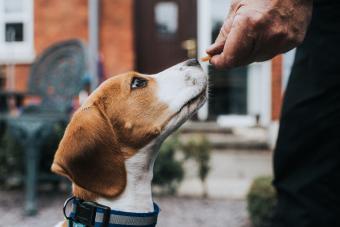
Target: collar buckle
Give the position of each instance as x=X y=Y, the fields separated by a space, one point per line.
x=106 y=214
x=85 y=213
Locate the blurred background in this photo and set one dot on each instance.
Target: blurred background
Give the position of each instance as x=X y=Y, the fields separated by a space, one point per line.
x=54 y=53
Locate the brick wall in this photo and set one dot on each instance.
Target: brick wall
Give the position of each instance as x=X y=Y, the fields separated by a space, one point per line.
x=116 y=36
x=276 y=87
x=21 y=77
x=56 y=20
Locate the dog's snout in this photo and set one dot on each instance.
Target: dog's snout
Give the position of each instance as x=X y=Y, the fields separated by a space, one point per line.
x=192 y=62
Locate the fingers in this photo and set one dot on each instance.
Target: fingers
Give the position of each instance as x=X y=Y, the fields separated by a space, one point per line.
x=225 y=29
x=257 y=31
x=217 y=47
x=238 y=46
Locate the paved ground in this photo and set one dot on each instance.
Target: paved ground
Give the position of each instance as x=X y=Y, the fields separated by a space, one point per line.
x=176 y=211
x=231 y=174
x=238 y=156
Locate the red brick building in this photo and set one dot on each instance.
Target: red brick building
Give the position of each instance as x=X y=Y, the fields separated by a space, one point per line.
x=143 y=35
x=56 y=20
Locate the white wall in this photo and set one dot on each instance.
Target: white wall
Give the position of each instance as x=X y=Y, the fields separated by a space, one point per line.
x=204 y=41
x=23 y=51
x=259 y=91
x=288 y=60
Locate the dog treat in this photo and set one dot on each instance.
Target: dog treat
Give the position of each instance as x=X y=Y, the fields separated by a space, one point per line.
x=206 y=58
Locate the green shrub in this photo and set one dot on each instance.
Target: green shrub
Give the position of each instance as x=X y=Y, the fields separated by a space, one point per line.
x=198 y=149
x=261 y=201
x=12 y=156
x=168 y=169
x=168 y=172
x=11 y=159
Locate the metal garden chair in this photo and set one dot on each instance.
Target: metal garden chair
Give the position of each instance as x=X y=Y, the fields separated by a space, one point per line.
x=56 y=78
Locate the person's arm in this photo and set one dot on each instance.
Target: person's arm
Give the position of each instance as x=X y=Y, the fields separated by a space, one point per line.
x=257 y=30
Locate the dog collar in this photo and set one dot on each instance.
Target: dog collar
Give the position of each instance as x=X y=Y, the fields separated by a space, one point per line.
x=91 y=214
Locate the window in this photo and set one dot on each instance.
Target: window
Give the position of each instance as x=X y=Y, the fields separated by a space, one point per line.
x=166 y=18
x=16 y=31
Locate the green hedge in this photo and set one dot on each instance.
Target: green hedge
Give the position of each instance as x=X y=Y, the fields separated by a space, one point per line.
x=12 y=156
x=168 y=171
x=198 y=148
x=11 y=160
x=261 y=201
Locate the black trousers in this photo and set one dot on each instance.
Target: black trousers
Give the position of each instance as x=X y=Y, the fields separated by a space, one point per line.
x=307 y=155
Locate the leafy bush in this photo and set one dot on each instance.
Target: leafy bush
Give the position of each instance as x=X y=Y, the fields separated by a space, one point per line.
x=198 y=149
x=261 y=201
x=12 y=156
x=168 y=169
x=168 y=172
x=11 y=159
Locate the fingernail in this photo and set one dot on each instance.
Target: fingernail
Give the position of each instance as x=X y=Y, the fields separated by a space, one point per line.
x=210 y=48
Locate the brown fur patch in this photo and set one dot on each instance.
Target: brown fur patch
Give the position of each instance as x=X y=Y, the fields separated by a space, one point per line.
x=97 y=140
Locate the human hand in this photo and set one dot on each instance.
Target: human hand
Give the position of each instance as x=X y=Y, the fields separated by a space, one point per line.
x=257 y=30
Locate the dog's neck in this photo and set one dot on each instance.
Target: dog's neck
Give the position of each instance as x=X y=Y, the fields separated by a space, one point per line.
x=137 y=196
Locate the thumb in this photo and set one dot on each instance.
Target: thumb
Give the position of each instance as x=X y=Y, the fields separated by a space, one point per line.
x=217 y=46
x=238 y=47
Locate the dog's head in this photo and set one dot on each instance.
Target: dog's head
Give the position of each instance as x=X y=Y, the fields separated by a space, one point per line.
x=123 y=115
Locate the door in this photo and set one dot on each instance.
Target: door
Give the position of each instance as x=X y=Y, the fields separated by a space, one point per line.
x=165 y=33
x=228 y=94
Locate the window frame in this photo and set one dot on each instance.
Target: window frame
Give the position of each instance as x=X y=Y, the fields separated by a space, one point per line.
x=17 y=52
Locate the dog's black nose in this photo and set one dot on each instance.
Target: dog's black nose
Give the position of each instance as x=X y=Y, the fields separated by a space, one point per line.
x=192 y=62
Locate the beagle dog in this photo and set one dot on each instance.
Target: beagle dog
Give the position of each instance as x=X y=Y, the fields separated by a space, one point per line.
x=110 y=145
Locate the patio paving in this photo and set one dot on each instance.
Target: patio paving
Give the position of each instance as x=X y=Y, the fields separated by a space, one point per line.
x=231 y=173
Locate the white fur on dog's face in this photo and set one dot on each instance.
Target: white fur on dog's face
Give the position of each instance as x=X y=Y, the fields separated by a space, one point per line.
x=183 y=88
x=179 y=84
x=118 y=132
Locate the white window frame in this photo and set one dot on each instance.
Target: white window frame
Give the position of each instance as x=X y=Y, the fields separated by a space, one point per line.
x=17 y=52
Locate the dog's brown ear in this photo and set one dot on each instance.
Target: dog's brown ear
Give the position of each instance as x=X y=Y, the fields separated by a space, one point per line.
x=89 y=156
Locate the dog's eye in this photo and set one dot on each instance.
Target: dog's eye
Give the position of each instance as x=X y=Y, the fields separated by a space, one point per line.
x=138 y=82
